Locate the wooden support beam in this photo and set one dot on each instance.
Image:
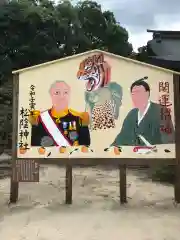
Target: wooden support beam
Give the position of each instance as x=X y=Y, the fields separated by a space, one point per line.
x=14 y=188
x=123 y=190
x=68 y=184
x=176 y=82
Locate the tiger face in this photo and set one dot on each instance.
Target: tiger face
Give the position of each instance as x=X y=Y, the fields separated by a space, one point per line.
x=97 y=74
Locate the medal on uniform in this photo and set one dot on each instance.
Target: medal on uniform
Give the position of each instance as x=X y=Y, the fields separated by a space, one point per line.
x=73 y=135
x=65 y=124
x=70 y=126
x=74 y=125
x=76 y=143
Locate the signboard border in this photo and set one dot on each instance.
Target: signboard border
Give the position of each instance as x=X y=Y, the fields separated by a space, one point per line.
x=121 y=163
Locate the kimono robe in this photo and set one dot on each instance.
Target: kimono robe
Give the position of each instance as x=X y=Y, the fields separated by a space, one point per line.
x=66 y=129
x=150 y=127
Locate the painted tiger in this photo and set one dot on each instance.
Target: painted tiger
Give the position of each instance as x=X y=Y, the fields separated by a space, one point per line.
x=96 y=71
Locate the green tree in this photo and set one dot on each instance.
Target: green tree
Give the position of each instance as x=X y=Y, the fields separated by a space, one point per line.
x=144 y=53
x=28 y=36
x=102 y=29
x=34 y=31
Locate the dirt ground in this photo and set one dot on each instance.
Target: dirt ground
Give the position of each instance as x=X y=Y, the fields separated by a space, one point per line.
x=95 y=213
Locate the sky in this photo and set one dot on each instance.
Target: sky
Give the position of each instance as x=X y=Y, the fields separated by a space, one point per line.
x=139 y=15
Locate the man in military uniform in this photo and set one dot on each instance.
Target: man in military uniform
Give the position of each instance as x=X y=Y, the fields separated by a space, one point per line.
x=59 y=126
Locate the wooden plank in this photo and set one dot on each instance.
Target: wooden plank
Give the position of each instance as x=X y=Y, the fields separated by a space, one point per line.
x=122 y=184
x=176 y=82
x=14 y=187
x=68 y=184
x=106 y=161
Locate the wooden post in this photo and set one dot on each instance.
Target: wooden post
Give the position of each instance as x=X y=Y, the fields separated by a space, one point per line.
x=14 y=188
x=176 y=82
x=122 y=184
x=14 y=192
x=68 y=184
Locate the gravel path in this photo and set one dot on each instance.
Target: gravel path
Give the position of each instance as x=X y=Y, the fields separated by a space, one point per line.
x=95 y=213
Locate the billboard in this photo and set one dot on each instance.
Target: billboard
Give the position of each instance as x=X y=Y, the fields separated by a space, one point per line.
x=96 y=106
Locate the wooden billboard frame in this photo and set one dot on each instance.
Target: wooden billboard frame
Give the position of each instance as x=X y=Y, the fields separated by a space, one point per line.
x=120 y=163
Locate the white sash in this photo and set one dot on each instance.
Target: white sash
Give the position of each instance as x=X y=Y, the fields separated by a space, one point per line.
x=53 y=130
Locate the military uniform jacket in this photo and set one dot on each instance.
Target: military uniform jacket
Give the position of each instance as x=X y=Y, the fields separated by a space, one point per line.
x=67 y=129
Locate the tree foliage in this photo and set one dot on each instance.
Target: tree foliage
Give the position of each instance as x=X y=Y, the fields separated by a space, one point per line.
x=35 y=31
x=144 y=53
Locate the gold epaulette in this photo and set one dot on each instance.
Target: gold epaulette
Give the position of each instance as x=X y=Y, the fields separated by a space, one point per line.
x=34 y=117
x=84 y=116
x=75 y=113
